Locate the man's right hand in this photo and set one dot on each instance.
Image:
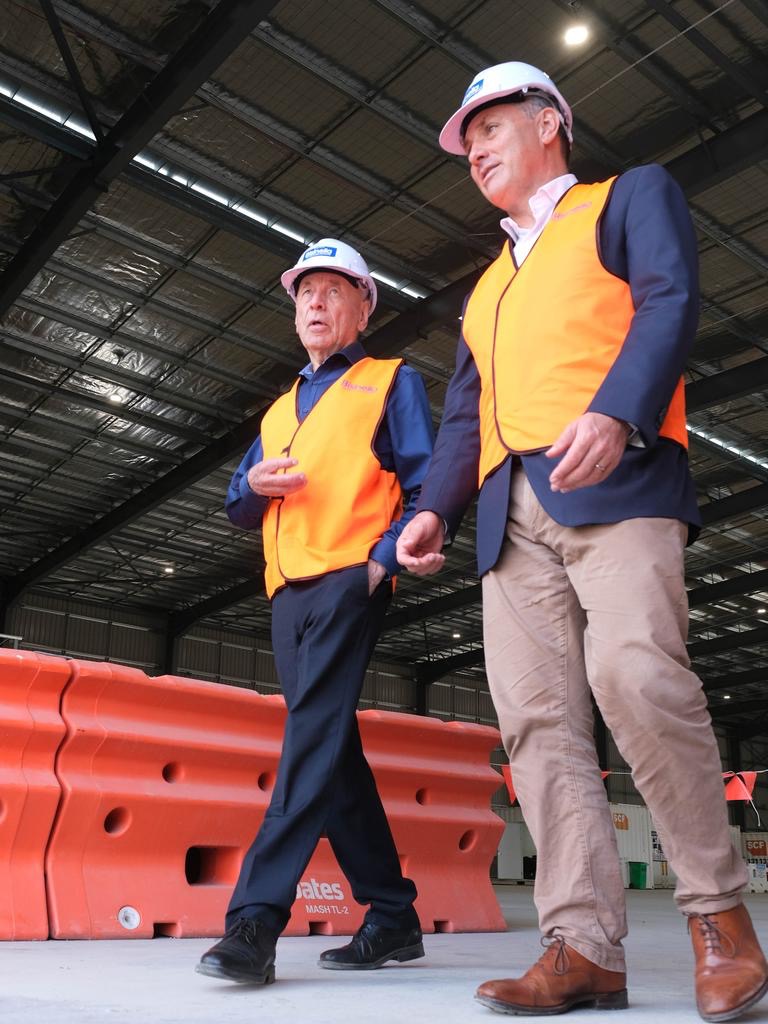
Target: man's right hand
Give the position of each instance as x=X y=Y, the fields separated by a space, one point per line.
x=269 y=479
x=420 y=544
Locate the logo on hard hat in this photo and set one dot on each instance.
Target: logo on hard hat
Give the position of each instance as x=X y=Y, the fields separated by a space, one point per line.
x=321 y=250
x=473 y=90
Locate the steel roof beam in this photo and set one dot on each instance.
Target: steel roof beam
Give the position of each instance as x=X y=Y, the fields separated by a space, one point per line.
x=735 y=679
x=352 y=86
x=15 y=419
x=212 y=42
x=729 y=642
x=735 y=505
x=744 y=735
x=72 y=68
x=404 y=617
x=745 y=583
x=733 y=70
x=430 y=671
x=474 y=59
x=759 y=8
x=163 y=425
x=745 y=379
x=110 y=373
x=742 y=708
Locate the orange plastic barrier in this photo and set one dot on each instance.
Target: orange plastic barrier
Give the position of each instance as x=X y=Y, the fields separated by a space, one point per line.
x=31 y=730
x=165 y=782
x=436 y=784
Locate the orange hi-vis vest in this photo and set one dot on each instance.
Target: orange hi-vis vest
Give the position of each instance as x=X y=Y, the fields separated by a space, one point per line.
x=545 y=336
x=349 y=500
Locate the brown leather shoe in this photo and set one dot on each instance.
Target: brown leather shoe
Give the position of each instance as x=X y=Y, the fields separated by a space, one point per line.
x=731 y=972
x=558 y=981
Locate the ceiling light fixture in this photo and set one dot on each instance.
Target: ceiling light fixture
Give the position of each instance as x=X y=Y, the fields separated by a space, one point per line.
x=576 y=35
x=726 y=446
x=116 y=398
x=457 y=636
x=168 y=569
x=726 y=696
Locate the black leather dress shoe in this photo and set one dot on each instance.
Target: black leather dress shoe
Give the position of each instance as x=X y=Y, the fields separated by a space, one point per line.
x=246 y=953
x=372 y=946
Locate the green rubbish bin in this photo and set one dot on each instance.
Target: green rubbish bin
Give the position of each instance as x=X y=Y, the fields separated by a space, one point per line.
x=637 y=874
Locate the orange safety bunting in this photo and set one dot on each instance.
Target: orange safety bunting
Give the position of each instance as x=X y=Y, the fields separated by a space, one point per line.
x=165 y=782
x=740 y=785
x=31 y=730
x=506 y=771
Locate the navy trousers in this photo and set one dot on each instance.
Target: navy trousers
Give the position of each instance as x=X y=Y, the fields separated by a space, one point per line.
x=323 y=635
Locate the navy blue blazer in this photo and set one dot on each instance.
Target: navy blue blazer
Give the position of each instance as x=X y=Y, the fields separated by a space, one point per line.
x=645 y=237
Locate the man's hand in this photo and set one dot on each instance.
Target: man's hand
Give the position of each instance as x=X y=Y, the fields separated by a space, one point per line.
x=269 y=479
x=420 y=544
x=594 y=444
x=376 y=573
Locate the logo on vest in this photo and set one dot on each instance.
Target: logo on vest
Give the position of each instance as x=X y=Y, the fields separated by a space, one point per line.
x=562 y=214
x=349 y=386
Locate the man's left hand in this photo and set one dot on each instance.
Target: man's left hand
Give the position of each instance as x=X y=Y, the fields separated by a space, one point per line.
x=592 y=447
x=376 y=573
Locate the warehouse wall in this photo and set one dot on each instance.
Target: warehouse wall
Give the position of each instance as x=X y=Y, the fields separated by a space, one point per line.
x=79 y=629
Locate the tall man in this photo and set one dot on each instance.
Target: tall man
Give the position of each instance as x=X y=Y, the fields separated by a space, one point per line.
x=566 y=411
x=332 y=480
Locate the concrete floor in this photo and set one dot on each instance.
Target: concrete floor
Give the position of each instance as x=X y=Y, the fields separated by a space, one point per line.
x=153 y=980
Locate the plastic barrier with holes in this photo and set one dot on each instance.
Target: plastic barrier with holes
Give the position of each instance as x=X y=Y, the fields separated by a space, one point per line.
x=165 y=782
x=31 y=730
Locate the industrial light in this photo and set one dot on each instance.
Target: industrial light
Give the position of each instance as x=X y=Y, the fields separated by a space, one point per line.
x=384 y=279
x=116 y=397
x=761 y=611
x=726 y=696
x=576 y=35
x=726 y=446
x=168 y=569
x=283 y=230
x=456 y=636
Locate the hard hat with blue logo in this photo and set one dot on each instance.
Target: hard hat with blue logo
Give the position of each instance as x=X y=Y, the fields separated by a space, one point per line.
x=495 y=83
x=331 y=254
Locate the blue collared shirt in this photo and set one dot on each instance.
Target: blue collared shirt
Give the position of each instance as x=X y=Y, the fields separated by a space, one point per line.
x=403 y=445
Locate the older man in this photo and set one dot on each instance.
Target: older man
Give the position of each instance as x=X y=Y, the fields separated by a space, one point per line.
x=332 y=480
x=567 y=412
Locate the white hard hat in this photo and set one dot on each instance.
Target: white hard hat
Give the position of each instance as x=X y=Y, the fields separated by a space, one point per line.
x=495 y=83
x=331 y=254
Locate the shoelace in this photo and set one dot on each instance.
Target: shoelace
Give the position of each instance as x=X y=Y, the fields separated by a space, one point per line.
x=562 y=962
x=715 y=939
x=365 y=936
x=250 y=931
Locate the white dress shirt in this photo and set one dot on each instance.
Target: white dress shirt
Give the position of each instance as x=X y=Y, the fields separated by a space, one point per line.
x=542 y=203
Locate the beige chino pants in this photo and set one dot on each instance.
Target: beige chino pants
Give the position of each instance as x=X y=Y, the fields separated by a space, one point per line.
x=569 y=610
